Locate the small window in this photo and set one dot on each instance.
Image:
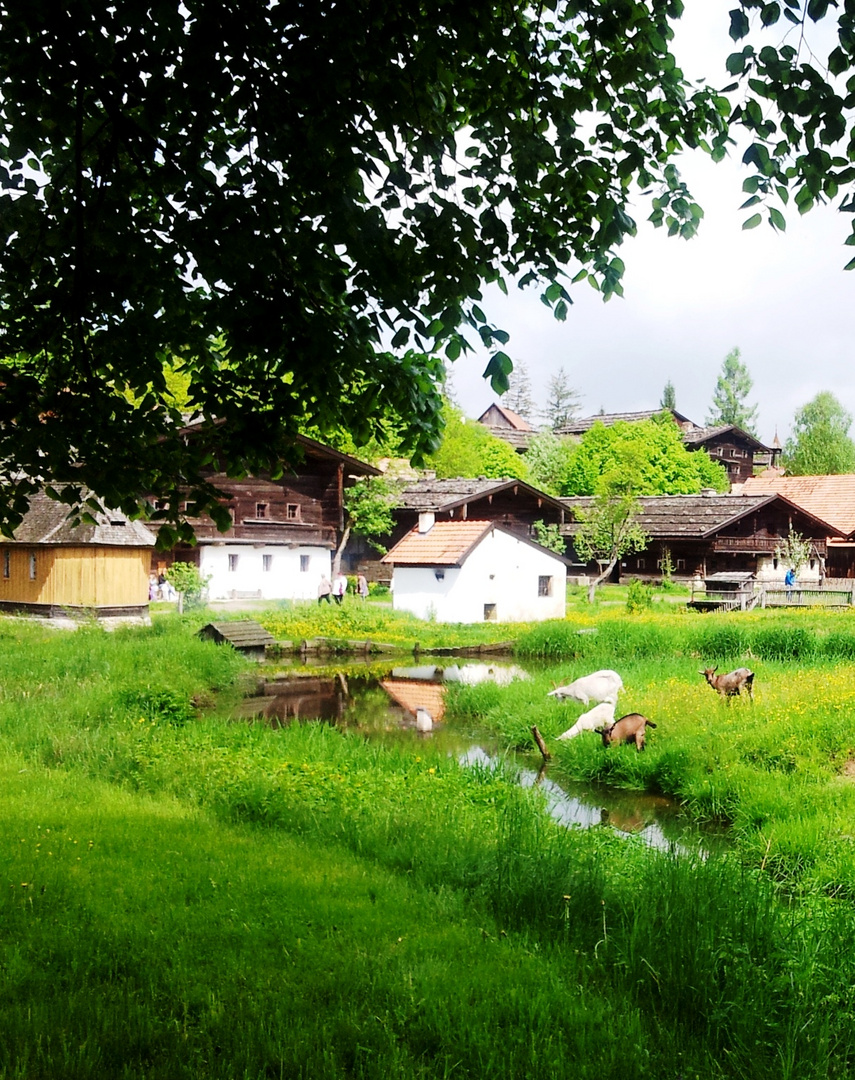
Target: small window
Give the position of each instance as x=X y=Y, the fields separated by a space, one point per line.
x=304 y=564
x=292 y=511
x=266 y=563
x=681 y=564
x=161 y=504
x=544 y=585
x=640 y=564
x=233 y=563
x=7 y=570
x=32 y=567
x=261 y=510
x=489 y=613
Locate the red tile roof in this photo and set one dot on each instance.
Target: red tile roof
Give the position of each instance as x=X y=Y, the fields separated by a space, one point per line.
x=414 y=694
x=831 y=498
x=447 y=543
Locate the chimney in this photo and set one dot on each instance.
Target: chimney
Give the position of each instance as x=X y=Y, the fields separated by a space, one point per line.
x=427 y=519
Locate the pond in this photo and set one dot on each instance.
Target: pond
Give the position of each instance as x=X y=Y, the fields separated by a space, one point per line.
x=405 y=703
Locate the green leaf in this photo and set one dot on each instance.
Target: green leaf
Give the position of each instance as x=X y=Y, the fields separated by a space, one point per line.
x=752 y=222
x=777 y=219
x=739 y=25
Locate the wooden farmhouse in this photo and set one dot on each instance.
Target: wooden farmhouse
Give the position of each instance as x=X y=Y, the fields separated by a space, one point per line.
x=831 y=498
x=54 y=569
x=475 y=571
x=513 y=504
x=732 y=447
x=710 y=533
x=507 y=425
x=283 y=530
x=585 y=423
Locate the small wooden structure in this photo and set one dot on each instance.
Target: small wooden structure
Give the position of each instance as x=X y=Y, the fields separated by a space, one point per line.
x=726 y=591
x=246 y=636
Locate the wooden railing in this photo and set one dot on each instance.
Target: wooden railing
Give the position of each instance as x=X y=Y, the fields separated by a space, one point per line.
x=807 y=597
x=765 y=544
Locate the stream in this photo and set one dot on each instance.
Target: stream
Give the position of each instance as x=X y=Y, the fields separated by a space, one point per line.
x=405 y=703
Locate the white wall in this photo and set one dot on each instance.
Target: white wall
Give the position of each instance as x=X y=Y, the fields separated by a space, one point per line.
x=769 y=574
x=283 y=581
x=502 y=570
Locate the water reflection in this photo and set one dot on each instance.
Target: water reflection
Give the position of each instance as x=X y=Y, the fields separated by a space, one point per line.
x=403 y=702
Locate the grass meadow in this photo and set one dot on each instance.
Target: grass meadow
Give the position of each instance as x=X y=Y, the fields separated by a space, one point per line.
x=186 y=896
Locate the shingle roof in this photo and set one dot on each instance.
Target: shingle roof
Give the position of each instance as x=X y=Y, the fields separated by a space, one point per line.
x=690 y=515
x=831 y=498
x=698 y=435
x=440 y=495
x=583 y=424
x=47 y=522
x=446 y=543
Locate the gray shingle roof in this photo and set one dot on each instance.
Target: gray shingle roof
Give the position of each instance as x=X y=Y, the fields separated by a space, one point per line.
x=685 y=515
x=47 y=522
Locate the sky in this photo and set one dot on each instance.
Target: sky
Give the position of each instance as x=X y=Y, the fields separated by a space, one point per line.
x=782 y=299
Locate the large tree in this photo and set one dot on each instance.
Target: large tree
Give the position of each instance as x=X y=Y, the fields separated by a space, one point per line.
x=298 y=205
x=519 y=396
x=562 y=400
x=820 y=442
x=655 y=452
x=730 y=397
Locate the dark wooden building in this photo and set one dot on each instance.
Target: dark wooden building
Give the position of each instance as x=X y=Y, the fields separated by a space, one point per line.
x=732 y=447
x=283 y=530
x=507 y=425
x=707 y=534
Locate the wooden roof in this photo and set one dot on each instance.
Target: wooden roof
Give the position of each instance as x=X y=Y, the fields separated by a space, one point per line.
x=47 y=522
x=242 y=635
x=831 y=498
x=699 y=516
x=697 y=436
x=513 y=420
x=444 y=495
x=585 y=423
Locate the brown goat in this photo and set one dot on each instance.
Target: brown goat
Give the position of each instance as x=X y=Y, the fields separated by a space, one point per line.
x=628 y=729
x=732 y=683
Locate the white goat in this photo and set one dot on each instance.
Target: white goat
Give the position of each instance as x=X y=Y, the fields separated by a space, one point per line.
x=601 y=716
x=600 y=686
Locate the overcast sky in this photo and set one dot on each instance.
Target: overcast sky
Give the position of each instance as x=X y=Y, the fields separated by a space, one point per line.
x=782 y=299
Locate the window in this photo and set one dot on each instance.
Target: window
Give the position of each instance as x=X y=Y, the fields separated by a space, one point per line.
x=489 y=613
x=304 y=564
x=266 y=563
x=32 y=567
x=640 y=564
x=681 y=564
x=544 y=585
x=7 y=572
x=233 y=561
x=261 y=510
x=292 y=511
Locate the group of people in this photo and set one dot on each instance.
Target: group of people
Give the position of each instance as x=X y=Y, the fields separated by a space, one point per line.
x=337 y=588
x=159 y=588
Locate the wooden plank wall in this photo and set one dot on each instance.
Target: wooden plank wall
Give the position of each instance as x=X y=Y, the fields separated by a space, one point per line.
x=77 y=576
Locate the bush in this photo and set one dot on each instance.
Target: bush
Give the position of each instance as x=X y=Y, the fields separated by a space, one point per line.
x=639 y=597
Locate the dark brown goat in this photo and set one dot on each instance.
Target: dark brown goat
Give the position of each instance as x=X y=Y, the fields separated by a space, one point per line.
x=732 y=683
x=628 y=729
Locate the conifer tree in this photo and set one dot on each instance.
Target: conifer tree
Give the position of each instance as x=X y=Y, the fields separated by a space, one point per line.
x=732 y=388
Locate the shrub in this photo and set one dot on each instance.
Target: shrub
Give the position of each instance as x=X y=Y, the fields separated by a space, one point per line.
x=639 y=597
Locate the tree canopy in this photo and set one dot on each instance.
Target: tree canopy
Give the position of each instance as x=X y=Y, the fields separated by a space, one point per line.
x=730 y=404
x=470 y=449
x=651 y=456
x=820 y=442
x=297 y=206
x=562 y=401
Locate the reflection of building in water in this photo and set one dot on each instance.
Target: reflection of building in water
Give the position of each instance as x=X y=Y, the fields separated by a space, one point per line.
x=422 y=700
x=313 y=698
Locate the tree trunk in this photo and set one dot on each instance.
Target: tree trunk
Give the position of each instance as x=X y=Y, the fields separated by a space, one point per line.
x=592 y=586
x=345 y=536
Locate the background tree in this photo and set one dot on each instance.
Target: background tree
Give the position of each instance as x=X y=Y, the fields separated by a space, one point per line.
x=263 y=191
x=549 y=536
x=655 y=451
x=518 y=396
x=547 y=459
x=469 y=449
x=794 y=550
x=820 y=441
x=368 y=506
x=608 y=528
x=562 y=401
x=729 y=397
x=669 y=397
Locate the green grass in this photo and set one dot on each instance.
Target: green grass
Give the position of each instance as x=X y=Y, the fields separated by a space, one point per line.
x=186 y=896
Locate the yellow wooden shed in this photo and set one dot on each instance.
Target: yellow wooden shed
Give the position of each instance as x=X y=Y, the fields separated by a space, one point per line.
x=55 y=569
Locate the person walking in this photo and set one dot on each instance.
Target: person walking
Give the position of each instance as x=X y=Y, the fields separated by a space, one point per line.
x=339 y=587
x=324 y=589
x=362 y=587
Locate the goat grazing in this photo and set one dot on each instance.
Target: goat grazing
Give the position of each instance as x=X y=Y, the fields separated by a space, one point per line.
x=732 y=683
x=628 y=729
x=599 y=686
x=600 y=716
